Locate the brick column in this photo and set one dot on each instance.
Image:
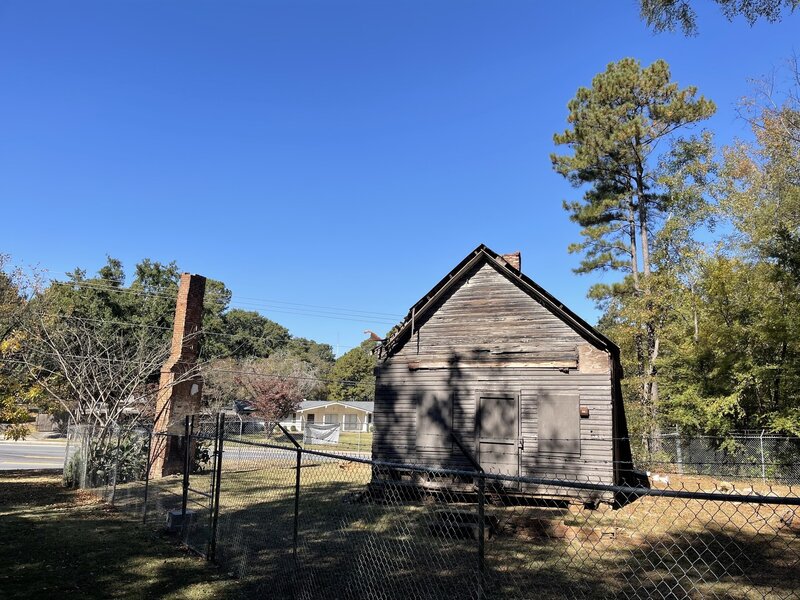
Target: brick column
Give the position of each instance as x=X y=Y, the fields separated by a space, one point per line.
x=179 y=394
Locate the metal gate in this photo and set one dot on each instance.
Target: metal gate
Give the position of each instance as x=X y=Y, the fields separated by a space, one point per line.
x=202 y=468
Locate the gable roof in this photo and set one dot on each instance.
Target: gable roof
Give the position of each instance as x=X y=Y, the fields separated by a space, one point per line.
x=483 y=254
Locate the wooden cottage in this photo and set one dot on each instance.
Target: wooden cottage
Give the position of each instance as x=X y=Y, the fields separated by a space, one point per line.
x=492 y=359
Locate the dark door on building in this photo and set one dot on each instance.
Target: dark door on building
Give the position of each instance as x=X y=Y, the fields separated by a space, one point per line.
x=498 y=433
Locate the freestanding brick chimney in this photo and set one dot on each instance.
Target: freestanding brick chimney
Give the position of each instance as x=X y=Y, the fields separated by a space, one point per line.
x=179 y=389
x=514 y=259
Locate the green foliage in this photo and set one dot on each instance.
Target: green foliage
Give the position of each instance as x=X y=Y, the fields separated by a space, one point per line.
x=667 y=15
x=16 y=387
x=615 y=128
x=92 y=319
x=639 y=207
x=202 y=456
x=353 y=375
x=320 y=355
x=246 y=333
x=104 y=459
x=726 y=314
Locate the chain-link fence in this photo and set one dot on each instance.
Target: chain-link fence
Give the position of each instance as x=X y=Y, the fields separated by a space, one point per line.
x=741 y=455
x=339 y=435
x=310 y=523
x=98 y=458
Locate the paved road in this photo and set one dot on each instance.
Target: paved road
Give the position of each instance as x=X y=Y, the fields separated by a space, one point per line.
x=50 y=454
x=234 y=451
x=31 y=455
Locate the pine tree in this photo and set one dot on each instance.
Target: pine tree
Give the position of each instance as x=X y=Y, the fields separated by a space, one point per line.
x=616 y=129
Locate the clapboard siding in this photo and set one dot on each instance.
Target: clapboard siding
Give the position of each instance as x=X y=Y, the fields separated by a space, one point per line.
x=487 y=334
x=486 y=311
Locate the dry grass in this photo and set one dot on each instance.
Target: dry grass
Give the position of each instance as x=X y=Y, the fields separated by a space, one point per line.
x=360 y=545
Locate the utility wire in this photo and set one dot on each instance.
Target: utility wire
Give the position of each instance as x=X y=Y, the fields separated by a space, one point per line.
x=200 y=367
x=204 y=332
x=347 y=314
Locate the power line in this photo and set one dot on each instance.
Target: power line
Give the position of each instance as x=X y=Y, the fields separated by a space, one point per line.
x=292 y=308
x=204 y=332
x=200 y=366
x=334 y=308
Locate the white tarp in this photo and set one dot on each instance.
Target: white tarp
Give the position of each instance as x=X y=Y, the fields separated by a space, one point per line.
x=317 y=433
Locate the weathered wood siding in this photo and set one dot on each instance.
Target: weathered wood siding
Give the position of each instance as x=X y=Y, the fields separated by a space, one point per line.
x=488 y=335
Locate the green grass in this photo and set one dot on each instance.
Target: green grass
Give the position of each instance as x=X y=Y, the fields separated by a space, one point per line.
x=62 y=543
x=348 y=441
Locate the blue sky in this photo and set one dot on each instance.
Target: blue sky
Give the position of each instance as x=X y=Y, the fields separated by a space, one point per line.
x=333 y=153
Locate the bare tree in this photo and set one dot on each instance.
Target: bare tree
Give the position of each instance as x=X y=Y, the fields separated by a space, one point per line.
x=221 y=388
x=275 y=386
x=102 y=376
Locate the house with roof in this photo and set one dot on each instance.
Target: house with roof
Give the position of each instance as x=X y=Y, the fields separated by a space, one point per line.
x=349 y=415
x=491 y=367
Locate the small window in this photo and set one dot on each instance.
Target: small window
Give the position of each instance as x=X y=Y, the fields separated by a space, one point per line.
x=559 y=423
x=310 y=418
x=331 y=419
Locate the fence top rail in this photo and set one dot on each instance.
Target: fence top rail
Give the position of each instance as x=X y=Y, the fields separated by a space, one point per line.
x=632 y=491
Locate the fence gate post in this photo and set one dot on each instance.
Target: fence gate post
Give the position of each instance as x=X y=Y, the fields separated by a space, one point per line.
x=678 y=450
x=212 y=552
x=147 y=475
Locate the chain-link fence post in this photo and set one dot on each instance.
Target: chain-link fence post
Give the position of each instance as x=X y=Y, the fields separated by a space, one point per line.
x=481 y=534
x=296 y=523
x=115 y=473
x=148 y=466
x=186 y=468
x=763 y=462
x=295 y=533
x=218 y=450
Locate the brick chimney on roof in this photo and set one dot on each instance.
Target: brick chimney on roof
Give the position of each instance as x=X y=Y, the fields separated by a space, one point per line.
x=514 y=259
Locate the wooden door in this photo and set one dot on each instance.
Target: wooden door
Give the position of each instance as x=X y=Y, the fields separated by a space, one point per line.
x=498 y=433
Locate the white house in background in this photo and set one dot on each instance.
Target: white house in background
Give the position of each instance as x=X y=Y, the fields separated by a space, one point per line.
x=350 y=415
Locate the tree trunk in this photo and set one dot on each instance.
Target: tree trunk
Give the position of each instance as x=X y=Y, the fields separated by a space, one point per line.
x=634 y=249
x=650 y=387
x=695 y=318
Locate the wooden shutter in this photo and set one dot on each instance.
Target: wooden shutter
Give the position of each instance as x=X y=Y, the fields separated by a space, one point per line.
x=559 y=423
x=434 y=421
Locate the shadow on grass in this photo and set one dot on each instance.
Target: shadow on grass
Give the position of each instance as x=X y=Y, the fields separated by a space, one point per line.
x=353 y=546
x=59 y=543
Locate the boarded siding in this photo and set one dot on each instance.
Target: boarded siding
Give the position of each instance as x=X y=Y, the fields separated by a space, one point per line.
x=396 y=416
x=487 y=316
x=487 y=335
